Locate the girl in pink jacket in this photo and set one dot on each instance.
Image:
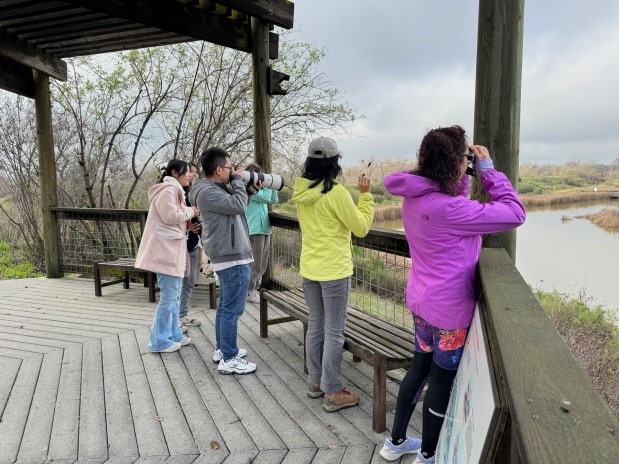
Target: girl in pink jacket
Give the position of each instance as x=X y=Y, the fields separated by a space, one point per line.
x=443 y=229
x=163 y=250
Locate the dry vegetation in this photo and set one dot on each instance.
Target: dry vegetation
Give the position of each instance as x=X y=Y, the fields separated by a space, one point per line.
x=607 y=219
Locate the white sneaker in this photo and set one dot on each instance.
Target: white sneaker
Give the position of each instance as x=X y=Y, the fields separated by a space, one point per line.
x=421 y=460
x=218 y=355
x=185 y=341
x=253 y=296
x=236 y=365
x=170 y=349
x=392 y=452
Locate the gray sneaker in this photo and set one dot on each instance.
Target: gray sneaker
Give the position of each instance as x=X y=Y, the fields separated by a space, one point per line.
x=314 y=391
x=185 y=341
x=236 y=365
x=218 y=355
x=188 y=321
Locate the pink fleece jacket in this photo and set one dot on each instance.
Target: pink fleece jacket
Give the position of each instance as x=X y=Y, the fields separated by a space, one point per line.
x=444 y=237
x=163 y=247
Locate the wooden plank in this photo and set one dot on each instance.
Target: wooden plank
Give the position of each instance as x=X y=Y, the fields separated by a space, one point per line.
x=24 y=53
x=177 y=434
x=9 y=368
x=148 y=432
x=35 y=440
x=121 y=438
x=556 y=413
x=278 y=12
x=64 y=439
x=16 y=411
x=92 y=429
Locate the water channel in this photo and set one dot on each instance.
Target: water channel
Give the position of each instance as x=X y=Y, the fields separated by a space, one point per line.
x=556 y=251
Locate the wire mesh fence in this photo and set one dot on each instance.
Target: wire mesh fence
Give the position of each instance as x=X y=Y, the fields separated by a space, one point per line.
x=90 y=235
x=380 y=268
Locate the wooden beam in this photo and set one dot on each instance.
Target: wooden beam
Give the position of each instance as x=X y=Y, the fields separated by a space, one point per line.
x=16 y=78
x=177 y=17
x=28 y=55
x=497 y=96
x=278 y=12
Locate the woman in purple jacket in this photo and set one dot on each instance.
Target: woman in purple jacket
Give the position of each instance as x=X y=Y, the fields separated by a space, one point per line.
x=443 y=229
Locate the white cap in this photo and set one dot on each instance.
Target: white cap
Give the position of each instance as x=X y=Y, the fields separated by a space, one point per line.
x=323 y=147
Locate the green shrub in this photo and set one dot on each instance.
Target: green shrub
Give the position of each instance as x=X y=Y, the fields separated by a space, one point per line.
x=11 y=268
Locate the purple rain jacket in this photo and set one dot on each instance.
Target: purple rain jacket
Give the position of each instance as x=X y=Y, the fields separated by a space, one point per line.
x=444 y=237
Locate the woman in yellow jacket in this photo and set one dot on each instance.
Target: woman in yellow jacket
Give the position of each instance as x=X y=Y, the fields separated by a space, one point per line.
x=328 y=215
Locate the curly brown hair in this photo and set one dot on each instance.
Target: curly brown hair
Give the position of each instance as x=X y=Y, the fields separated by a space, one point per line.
x=439 y=157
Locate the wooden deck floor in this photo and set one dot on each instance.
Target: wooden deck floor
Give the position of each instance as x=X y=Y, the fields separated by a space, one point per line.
x=77 y=385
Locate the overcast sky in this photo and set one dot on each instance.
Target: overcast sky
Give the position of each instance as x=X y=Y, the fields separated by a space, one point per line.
x=409 y=65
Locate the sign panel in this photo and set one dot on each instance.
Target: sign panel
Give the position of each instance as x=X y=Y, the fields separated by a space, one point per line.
x=473 y=406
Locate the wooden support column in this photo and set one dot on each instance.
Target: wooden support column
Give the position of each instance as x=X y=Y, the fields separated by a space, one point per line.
x=262 y=106
x=262 y=102
x=497 y=96
x=47 y=173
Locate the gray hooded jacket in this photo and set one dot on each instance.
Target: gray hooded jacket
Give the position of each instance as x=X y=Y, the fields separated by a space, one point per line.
x=225 y=236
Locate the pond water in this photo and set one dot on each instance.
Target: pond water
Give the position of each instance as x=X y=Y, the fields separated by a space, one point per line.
x=572 y=256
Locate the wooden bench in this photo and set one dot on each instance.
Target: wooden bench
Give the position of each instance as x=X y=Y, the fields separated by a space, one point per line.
x=384 y=345
x=127 y=265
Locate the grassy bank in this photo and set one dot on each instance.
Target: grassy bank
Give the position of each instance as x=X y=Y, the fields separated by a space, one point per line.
x=593 y=339
x=12 y=267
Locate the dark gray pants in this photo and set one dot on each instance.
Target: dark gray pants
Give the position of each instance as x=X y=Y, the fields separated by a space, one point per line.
x=327 y=302
x=260 y=248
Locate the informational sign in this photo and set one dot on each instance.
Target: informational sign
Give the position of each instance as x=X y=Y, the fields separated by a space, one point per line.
x=473 y=406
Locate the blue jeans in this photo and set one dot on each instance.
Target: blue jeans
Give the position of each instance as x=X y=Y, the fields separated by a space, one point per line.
x=327 y=302
x=189 y=282
x=233 y=285
x=166 y=330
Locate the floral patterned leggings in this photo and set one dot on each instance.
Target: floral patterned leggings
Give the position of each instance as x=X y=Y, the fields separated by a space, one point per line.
x=437 y=356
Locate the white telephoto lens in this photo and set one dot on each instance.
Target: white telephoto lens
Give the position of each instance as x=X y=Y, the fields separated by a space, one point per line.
x=272 y=181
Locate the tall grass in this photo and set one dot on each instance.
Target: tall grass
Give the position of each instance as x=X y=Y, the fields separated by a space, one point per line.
x=593 y=339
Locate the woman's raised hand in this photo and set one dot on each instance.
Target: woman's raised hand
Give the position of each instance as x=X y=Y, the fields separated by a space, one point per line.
x=480 y=151
x=364 y=184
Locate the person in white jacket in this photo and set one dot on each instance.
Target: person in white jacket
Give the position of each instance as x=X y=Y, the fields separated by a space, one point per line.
x=163 y=250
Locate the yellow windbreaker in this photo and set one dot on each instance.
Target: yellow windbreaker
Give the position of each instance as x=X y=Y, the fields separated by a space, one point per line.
x=326 y=223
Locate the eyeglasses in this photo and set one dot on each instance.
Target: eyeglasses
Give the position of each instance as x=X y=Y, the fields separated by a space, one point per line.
x=227 y=167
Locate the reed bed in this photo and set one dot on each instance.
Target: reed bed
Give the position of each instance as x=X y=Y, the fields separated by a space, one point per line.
x=384 y=213
x=607 y=219
x=561 y=198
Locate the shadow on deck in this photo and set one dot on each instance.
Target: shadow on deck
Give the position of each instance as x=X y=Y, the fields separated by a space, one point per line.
x=77 y=383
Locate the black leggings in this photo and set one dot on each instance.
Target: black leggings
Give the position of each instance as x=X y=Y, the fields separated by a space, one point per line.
x=434 y=405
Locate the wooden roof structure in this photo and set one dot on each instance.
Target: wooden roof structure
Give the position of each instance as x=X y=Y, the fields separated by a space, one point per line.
x=38 y=34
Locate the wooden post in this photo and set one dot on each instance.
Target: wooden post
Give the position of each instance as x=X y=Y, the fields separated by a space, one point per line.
x=47 y=174
x=497 y=96
x=262 y=105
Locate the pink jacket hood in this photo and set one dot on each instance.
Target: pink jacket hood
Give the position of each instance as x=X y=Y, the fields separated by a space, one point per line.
x=444 y=237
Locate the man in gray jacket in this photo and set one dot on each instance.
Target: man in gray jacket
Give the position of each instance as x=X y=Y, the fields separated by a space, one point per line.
x=222 y=200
